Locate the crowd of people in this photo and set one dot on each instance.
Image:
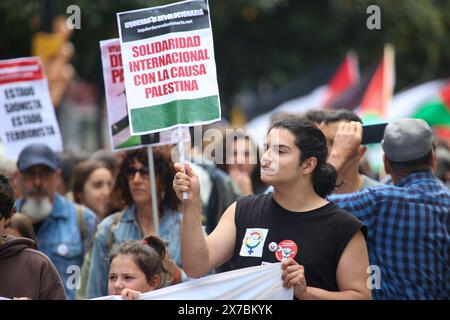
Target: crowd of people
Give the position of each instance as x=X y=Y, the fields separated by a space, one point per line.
x=77 y=226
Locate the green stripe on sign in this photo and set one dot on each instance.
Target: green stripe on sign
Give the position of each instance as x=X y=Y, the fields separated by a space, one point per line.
x=175 y=112
x=131 y=142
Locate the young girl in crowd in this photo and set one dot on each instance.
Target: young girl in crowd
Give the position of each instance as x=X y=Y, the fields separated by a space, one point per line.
x=138 y=266
x=131 y=192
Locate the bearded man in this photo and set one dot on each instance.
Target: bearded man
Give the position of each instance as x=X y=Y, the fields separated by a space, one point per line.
x=64 y=230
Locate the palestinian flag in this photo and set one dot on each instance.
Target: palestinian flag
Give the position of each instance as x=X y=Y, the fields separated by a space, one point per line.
x=371 y=95
x=429 y=101
x=332 y=79
x=346 y=75
x=313 y=92
x=380 y=89
x=437 y=112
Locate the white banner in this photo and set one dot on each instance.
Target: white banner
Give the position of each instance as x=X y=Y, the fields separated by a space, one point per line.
x=254 y=283
x=27 y=115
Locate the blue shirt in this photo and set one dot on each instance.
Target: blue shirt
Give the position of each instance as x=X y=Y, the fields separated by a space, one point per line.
x=408 y=235
x=59 y=238
x=127 y=228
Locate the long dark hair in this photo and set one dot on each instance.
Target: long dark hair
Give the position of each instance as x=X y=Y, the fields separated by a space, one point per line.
x=164 y=170
x=81 y=174
x=312 y=143
x=7 y=198
x=229 y=138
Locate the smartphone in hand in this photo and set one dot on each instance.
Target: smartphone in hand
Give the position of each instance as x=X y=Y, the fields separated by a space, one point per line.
x=373 y=133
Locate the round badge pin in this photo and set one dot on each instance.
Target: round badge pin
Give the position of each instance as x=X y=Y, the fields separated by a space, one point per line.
x=273 y=246
x=286 y=249
x=62 y=249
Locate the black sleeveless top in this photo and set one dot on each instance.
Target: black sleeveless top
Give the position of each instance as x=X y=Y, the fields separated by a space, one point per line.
x=266 y=232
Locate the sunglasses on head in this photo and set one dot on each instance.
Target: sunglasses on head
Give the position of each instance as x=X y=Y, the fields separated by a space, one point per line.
x=143 y=171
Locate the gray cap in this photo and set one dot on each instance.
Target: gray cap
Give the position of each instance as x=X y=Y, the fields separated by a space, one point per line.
x=407 y=140
x=37 y=154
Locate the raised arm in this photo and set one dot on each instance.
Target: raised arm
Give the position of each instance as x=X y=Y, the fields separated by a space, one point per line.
x=201 y=254
x=346 y=144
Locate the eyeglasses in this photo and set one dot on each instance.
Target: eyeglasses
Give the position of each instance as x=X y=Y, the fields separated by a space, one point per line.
x=143 y=171
x=33 y=173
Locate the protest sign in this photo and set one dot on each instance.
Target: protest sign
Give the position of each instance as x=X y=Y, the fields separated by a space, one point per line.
x=116 y=105
x=120 y=135
x=27 y=114
x=169 y=67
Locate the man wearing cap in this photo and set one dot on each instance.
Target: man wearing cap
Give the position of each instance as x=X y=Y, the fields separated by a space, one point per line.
x=408 y=222
x=64 y=231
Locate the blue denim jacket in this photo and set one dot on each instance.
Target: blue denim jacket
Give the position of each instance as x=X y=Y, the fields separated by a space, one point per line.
x=127 y=229
x=60 y=239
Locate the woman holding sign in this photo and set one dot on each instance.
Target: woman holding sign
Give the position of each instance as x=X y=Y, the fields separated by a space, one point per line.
x=322 y=247
x=132 y=191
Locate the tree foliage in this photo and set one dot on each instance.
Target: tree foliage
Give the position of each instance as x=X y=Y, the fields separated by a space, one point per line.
x=266 y=43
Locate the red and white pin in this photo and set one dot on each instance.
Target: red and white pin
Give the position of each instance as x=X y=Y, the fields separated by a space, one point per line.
x=286 y=249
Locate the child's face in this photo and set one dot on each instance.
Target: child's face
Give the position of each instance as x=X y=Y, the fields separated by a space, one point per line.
x=124 y=273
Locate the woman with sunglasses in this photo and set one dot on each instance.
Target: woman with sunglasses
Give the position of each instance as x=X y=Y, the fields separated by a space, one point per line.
x=131 y=191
